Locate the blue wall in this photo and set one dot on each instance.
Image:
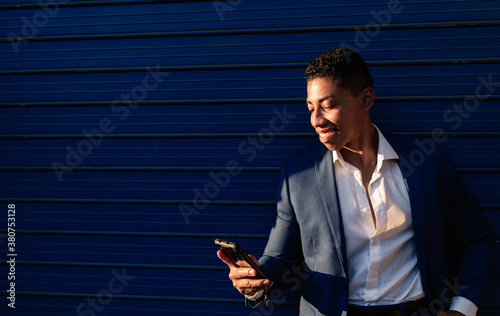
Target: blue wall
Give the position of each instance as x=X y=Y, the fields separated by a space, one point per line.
x=134 y=132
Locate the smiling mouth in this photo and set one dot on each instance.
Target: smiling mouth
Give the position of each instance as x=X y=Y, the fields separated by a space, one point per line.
x=328 y=133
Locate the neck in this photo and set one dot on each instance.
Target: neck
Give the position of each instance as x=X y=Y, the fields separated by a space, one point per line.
x=363 y=153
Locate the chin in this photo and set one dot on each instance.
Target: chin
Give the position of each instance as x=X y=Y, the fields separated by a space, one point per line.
x=331 y=147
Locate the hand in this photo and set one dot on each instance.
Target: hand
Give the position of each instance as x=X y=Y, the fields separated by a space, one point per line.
x=242 y=275
x=450 y=313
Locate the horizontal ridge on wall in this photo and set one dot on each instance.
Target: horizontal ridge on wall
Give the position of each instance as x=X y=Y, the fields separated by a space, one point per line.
x=217 y=202
x=298 y=65
x=92 y=3
x=201 y=102
x=258 y=31
x=138 y=234
x=222 y=135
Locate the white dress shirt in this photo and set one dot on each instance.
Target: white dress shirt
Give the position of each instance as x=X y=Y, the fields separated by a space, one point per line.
x=381 y=256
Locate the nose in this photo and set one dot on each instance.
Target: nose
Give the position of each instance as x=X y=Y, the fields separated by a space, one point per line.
x=317 y=118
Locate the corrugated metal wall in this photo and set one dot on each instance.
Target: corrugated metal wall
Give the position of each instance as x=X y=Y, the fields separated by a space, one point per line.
x=133 y=132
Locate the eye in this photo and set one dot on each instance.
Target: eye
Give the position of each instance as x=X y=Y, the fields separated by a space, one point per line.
x=330 y=105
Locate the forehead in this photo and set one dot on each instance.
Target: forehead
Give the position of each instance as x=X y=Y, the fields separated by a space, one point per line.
x=321 y=88
x=321 y=82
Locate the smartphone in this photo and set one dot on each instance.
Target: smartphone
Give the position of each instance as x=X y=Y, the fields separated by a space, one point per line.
x=237 y=254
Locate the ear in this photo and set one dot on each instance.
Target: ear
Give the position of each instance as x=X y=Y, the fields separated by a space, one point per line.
x=367 y=98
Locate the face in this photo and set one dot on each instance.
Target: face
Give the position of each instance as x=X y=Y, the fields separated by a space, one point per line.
x=336 y=115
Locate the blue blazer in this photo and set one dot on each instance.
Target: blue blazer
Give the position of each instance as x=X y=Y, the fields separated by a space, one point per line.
x=306 y=247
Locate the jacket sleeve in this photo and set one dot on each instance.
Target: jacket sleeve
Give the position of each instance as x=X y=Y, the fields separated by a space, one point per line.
x=468 y=233
x=283 y=253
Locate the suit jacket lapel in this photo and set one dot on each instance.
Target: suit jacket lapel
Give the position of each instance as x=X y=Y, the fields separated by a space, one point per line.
x=329 y=196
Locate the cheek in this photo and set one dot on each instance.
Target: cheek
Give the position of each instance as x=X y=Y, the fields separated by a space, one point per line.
x=350 y=117
x=334 y=117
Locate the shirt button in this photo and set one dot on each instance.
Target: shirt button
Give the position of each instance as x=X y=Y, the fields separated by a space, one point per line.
x=372 y=275
x=374 y=242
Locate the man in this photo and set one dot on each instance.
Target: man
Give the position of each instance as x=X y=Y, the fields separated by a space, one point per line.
x=371 y=234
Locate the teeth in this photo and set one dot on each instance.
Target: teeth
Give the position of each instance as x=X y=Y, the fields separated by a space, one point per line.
x=327 y=133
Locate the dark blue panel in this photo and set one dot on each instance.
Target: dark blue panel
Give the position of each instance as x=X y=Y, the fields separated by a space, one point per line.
x=133 y=133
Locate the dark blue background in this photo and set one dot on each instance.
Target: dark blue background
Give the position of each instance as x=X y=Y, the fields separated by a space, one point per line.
x=223 y=69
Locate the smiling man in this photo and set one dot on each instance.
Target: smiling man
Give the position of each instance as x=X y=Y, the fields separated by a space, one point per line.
x=362 y=237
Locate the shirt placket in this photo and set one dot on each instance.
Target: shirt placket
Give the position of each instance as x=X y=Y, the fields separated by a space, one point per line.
x=375 y=245
x=364 y=206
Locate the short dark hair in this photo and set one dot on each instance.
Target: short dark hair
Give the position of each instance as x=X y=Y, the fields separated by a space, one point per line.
x=344 y=66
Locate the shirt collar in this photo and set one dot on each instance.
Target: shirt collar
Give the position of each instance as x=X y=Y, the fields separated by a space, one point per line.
x=384 y=152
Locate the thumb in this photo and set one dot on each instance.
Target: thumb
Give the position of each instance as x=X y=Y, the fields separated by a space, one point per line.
x=226 y=259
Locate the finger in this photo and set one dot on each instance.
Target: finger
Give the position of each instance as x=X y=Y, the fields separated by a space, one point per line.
x=251 y=292
x=252 y=283
x=242 y=273
x=243 y=264
x=251 y=286
x=226 y=259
